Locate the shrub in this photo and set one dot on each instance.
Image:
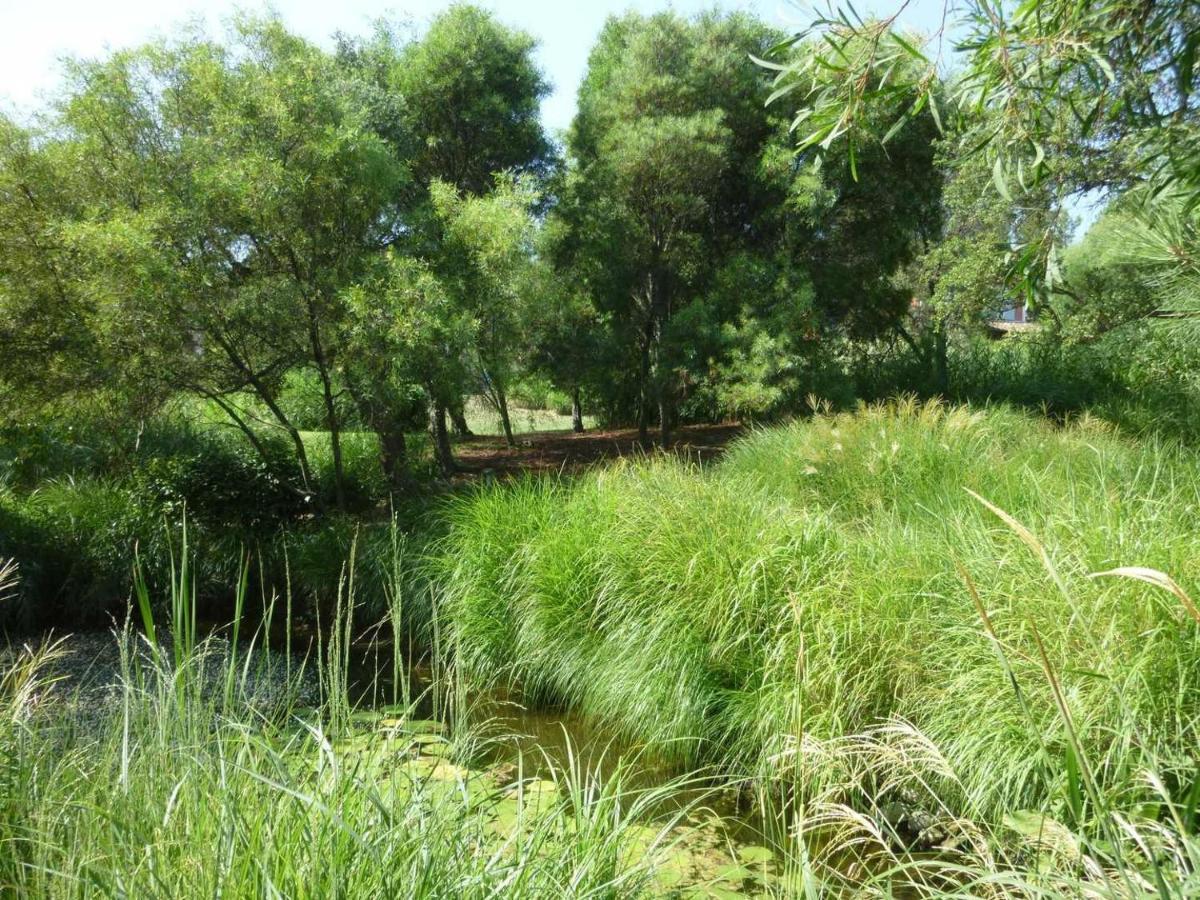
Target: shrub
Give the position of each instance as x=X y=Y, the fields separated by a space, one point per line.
x=32 y=453
x=364 y=483
x=538 y=392
x=75 y=543
x=218 y=479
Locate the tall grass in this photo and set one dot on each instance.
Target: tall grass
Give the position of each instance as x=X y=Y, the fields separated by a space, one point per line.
x=910 y=567
x=8 y=579
x=941 y=651
x=178 y=790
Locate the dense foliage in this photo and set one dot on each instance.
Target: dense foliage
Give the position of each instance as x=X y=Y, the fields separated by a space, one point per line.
x=382 y=231
x=932 y=616
x=319 y=255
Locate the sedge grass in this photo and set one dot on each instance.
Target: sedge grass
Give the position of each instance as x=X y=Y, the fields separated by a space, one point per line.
x=833 y=577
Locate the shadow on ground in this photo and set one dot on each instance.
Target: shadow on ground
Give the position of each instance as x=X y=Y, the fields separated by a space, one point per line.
x=570 y=453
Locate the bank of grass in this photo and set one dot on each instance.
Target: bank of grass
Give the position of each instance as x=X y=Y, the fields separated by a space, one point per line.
x=893 y=606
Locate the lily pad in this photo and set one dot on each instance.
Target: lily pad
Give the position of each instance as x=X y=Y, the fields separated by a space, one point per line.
x=755 y=854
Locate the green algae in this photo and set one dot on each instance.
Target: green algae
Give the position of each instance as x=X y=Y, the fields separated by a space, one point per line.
x=696 y=856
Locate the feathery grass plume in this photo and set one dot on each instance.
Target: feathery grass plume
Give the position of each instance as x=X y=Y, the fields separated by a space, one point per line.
x=9 y=575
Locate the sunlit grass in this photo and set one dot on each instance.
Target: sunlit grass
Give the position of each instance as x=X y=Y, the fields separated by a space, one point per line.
x=909 y=566
x=483 y=419
x=936 y=651
x=184 y=784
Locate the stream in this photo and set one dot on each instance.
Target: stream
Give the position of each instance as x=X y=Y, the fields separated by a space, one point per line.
x=713 y=847
x=701 y=838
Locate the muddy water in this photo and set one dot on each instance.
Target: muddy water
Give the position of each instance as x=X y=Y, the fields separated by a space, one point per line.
x=718 y=847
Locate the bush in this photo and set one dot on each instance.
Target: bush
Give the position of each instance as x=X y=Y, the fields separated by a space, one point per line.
x=364 y=483
x=75 y=541
x=1035 y=372
x=218 y=479
x=538 y=392
x=75 y=534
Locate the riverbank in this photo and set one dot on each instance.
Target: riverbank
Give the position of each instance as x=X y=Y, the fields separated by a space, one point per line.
x=914 y=618
x=245 y=788
x=922 y=650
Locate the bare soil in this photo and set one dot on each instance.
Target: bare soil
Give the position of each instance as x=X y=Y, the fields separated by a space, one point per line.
x=570 y=453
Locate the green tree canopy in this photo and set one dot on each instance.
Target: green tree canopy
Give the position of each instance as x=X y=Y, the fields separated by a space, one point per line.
x=226 y=194
x=472 y=95
x=664 y=176
x=1058 y=95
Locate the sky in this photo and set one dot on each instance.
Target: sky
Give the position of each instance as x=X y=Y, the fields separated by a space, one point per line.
x=34 y=35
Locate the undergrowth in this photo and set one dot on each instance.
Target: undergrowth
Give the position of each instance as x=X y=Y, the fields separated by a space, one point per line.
x=939 y=651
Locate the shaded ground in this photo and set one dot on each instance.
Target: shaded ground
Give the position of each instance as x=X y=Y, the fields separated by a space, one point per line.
x=570 y=453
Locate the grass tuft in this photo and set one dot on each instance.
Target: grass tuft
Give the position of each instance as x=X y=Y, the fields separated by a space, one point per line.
x=832 y=578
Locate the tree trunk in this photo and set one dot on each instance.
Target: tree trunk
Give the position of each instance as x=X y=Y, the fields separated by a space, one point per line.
x=662 y=389
x=301 y=454
x=660 y=311
x=458 y=418
x=505 y=421
x=393 y=456
x=941 y=361
x=576 y=413
x=335 y=444
x=331 y=417
x=664 y=415
x=380 y=417
x=643 y=414
x=264 y=394
x=441 y=438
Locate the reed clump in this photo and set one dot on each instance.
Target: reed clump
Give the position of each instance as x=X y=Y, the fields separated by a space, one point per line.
x=185 y=784
x=911 y=566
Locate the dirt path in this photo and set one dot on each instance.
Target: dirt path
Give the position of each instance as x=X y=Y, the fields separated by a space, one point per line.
x=567 y=452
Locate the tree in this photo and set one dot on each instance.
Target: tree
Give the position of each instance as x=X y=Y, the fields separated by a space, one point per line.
x=49 y=347
x=707 y=244
x=406 y=321
x=565 y=334
x=663 y=178
x=957 y=279
x=1073 y=96
x=756 y=360
x=471 y=95
x=1124 y=270
x=483 y=258
x=226 y=197
x=472 y=92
